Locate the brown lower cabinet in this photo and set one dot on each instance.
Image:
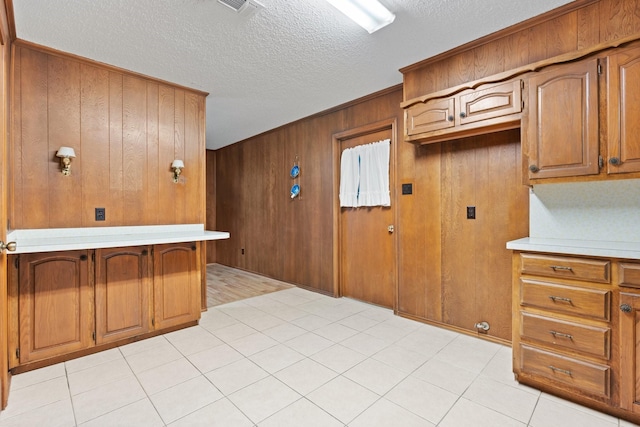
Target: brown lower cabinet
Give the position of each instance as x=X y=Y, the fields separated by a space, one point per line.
x=576 y=330
x=66 y=302
x=55 y=301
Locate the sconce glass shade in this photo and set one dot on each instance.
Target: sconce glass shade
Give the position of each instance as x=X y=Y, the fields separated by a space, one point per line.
x=177 y=165
x=66 y=152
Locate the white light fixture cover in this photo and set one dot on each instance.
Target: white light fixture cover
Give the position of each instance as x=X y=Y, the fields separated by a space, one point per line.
x=66 y=152
x=177 y=163
x=369 y=14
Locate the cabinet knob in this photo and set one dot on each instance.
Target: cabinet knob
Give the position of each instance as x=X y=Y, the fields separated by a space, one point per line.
x=614 y=161
x=463 y=115
x=534 y=168
x=450 y=118
x=625 y=308
x=11 y=246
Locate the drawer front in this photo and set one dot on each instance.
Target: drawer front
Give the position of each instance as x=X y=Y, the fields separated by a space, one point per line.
x=489 y=102
x=629 y=274
x=585 y=376
x=591 y=270
x=571 y=336
x=583 y=302
x=433 y=115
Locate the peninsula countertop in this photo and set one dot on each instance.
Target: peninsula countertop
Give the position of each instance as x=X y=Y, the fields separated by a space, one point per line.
x=63 y=239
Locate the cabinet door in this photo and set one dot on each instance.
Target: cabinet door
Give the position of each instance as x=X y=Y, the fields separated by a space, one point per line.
x=176 y=284
x=561 y=134
x=491 y=102
x=630 y=352
x=55 y=304
x=433 y=115
x=122 y=293
x=623 y=87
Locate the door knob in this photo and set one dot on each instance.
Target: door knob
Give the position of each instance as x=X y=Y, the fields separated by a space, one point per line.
x=11 y=246
x=390 y=229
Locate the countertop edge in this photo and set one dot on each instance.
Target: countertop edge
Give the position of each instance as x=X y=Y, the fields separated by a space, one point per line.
x=622 y=250
x=52 y=240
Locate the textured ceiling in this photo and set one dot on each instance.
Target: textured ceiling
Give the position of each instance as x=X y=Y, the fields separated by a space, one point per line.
x=292 y=59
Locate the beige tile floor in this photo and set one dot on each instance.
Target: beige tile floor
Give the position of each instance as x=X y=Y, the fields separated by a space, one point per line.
x=293 y=358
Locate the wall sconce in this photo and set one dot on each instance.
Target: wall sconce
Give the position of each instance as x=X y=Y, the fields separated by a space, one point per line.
x=177 y=167
x=66 y=154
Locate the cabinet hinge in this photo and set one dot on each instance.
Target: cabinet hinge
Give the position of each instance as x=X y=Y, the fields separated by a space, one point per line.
x=599 y=68
x=153 y=322
x=17 y=353
x=521 y=84
x=17 y=263
x=93 y=256
x=93 y=335
x=600 y=162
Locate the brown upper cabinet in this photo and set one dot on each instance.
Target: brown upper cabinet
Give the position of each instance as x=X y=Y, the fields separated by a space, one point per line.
x=560 y=130
x=623 y=87
x=472 y=111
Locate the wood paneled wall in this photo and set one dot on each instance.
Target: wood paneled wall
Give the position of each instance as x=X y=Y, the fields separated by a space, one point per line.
x=125 y=129
x=578 y=25
x=419 y=217
x=288 y=239
x=292 y=240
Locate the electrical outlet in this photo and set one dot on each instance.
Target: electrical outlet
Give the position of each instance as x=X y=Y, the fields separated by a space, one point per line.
x=100 y=214
x=471 y=212
x=407 y=188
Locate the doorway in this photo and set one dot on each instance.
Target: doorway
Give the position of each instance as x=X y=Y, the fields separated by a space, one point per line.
x=366 y=243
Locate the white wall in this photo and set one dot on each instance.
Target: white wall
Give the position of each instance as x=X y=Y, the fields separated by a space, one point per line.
x=603 y=210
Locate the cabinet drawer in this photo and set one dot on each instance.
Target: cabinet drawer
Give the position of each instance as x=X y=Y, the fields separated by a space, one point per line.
x=585 y=376
x=591 y=270
x=629 y=274
x=584 y=302
x=572 y=336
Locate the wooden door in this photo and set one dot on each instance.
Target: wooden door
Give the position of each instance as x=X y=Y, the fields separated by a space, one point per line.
x=623 y=86
x=630 y=352
x=55 y=304
x=176 y=284
x=561 y=131
x=481 y=174
x=122 y=293
x=4 y=215
x=367 y=247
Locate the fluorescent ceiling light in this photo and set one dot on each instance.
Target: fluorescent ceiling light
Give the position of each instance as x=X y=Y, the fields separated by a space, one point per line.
x=369 y=14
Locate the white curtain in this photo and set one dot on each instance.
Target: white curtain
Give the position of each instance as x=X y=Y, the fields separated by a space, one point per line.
x=350 y=177
x=364 y=175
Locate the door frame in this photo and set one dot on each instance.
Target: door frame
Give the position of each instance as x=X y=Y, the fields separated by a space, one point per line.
x=337 y=138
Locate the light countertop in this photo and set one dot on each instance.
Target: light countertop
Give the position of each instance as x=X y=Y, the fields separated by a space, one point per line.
x=625 y=250
x=63 y=239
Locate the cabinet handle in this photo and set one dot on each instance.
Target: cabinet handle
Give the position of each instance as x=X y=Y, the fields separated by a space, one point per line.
x=534 y=168
x=563 y=299
x=561 y=268
x=450 y=118
x=625 y=308
x=561 y=335
x=10 y=246
x=562 y=371
x=463 y=115
x=614 y=161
